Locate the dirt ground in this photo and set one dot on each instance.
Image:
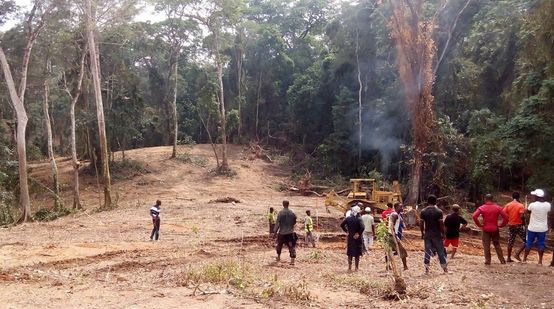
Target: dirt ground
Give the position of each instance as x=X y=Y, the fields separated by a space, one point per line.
x=218 y=255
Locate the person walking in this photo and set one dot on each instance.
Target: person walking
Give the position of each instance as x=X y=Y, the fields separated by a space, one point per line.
x=369 y=229
x=308 y=229
x=538 y=224
x=354 y=226
x=491 y=212
x=155 y=215
x=432 y=233
x=516 y=213
x=284 y=229
x=271 y=218
x=452 y=224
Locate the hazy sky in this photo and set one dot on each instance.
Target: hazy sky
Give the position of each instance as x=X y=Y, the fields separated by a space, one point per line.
x=147 y=14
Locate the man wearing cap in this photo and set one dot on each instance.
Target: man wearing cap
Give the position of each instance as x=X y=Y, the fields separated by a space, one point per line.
x=490 y=212
x=369 y=229
x=538 y=224
x=452 y=224
x=516 y=213
x=354 y=226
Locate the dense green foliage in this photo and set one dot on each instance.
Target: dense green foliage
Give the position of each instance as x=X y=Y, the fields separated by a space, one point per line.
x=290 y=80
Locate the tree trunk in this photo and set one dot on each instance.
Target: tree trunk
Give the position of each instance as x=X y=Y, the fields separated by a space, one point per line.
x=258 y=98
x=224 y=164
x=74 y=160
x=415 y=50
x=174 y=68
x=95 y=70
x=239 y=90
x=51 y=157
x=21 y=116
x=360 y=90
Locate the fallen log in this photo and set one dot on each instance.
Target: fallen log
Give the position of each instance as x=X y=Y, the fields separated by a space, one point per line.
x=226 y=199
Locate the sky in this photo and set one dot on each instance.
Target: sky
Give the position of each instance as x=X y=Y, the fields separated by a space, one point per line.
x=147 y=14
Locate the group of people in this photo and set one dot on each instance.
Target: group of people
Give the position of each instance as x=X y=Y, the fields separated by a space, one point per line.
x=514 y=215
x=437 y=231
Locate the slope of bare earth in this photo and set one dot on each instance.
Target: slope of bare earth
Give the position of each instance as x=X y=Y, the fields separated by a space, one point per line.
x=217 y=255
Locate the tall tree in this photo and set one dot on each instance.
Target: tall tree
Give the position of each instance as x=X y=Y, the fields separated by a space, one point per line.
x=95 y=70
x=34 y=23
x=175 y=31
x=217 y=16
x=415 y=48
x=74 y=97
x=48 y=126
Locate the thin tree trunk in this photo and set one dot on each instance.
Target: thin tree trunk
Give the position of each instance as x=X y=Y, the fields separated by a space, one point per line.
x=174 y=105
x=360 y=90
x=21 y=116
x=206 y=126
x=74 y=159
x=222 y=120
x=95 y=70
x=258 y=98
x=239 y=90
x=51 y=157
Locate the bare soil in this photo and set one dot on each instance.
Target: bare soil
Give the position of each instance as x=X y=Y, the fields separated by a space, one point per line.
x=93 y=259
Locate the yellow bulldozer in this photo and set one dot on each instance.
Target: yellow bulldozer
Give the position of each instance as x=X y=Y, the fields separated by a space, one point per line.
x=367 y=192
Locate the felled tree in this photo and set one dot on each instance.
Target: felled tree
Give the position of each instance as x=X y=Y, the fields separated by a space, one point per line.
x=415 y=48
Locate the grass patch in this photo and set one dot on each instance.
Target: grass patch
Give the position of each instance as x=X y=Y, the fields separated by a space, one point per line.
x=366 y=286
x=221 y=273
x=191 y=159
x=298 y=292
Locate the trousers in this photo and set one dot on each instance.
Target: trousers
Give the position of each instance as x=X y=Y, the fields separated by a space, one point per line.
x=493 y=237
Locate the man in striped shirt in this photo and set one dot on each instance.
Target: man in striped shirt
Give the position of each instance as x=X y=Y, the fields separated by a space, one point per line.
x=155 y=214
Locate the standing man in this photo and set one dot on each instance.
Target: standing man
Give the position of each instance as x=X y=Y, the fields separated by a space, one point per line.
x=369 y=229
x=490 y=228
x=284 y=229
x=394 y=236
x=308 y=228
x=538 y=224
x=387 y=212
x=516 y=212
x=155 y=214
x=354 y=226
x=432 y=233
x=271 y=218
x=452 y=223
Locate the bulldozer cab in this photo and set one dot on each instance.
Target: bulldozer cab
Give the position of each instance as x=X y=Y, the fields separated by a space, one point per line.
x=367 y=192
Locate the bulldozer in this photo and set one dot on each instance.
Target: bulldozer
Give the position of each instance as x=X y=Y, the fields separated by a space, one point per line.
x=367 y=192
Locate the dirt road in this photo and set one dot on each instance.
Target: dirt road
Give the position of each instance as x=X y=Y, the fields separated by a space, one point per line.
x=217 y=255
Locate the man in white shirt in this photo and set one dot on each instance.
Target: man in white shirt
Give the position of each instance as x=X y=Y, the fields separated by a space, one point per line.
x=538 y=224
x=369 y=229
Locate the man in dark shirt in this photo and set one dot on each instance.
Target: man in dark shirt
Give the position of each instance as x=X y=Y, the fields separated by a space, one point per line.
x=452 y=224
x=284 y=229
x=432 y=232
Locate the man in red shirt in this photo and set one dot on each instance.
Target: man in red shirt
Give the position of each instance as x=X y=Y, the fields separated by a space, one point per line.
x=490 y=212
x=387 y=212
x=515 y=211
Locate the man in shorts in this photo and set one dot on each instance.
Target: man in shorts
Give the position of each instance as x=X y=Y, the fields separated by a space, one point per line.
x=452 y=224
x=538 y=224
x=516 y=212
